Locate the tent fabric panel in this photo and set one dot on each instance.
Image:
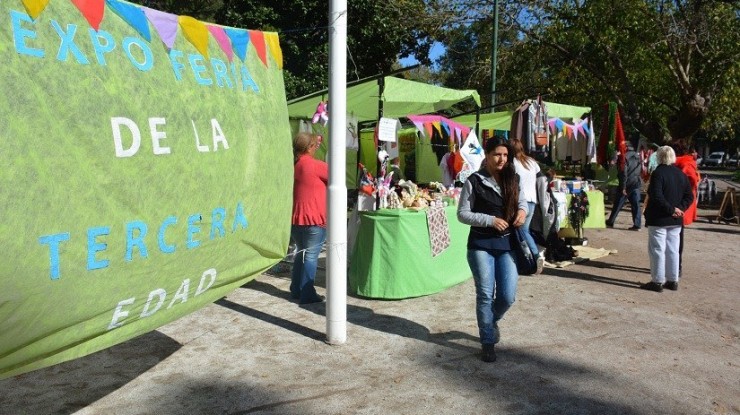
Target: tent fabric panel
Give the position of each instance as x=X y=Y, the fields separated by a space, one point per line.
x=489 y=121
x=555 y=110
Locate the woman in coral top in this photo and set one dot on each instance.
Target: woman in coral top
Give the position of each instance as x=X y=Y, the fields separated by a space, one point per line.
x=308 y=229
x=686 y=162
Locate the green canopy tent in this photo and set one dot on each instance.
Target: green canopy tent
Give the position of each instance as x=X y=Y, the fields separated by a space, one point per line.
x=399 y=98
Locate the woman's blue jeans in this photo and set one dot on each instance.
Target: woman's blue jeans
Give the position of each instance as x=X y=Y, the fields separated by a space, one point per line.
x=634 y=198
x=495 y=278
x=531 y=206
x=308 y=240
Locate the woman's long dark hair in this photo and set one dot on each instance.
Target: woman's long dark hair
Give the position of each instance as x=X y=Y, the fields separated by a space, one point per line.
x=509 y=180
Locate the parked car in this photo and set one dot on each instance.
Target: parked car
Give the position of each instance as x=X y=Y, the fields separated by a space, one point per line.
x=716 y=159
x=733 y=161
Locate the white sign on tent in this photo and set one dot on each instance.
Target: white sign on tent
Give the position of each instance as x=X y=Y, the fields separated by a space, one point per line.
x=388 y=129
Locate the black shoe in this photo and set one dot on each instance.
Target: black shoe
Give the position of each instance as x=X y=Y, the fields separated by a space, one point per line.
x=652 y=286
x=634 y=228
x=609 y=224
x=671 y=285
x=317 y=299
x=489 y=354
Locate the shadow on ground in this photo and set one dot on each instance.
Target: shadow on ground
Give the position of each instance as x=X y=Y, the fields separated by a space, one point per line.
x=80 y=382
x=580 y=275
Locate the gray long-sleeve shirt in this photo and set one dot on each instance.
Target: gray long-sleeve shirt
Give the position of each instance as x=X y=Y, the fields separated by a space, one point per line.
x=467 y=199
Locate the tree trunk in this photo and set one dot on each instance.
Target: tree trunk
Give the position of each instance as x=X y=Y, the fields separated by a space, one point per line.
x=689 y=118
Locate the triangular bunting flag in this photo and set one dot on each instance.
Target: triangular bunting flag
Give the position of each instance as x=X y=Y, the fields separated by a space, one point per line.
x=133 y=15
x=273 y=42
x=239 y=41
x=446 y=128
x=258 y=40
x=92 y=10
x=428 y=128
x=195 y=32
x=419 y=126
x=437 y=127
x=222 y=39
x=165 y=24
x=35 y=7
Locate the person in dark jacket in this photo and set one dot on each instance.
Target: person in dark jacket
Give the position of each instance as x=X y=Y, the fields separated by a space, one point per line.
x=669 y=195
x=493 y=204
x=630 y=188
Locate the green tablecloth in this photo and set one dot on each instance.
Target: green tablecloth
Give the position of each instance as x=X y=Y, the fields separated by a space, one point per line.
x=595 y=219
x=392 y=258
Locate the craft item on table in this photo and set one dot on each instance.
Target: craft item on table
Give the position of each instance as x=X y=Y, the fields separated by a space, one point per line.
x=384 y=190
x=439 y=230
x=394 y=202
x=437 y=187
x=322 y=113
x=578 y=211
x=367 y=182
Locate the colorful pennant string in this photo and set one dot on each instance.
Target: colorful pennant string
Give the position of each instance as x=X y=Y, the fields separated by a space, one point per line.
x=232 y=41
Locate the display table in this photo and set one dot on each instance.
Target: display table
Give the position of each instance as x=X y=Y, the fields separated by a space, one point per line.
x=392 y=258
x=596 y=218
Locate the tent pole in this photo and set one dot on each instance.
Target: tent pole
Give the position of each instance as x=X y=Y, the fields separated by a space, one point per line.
x=477 y=122
x=336 y=252
x=381 y=88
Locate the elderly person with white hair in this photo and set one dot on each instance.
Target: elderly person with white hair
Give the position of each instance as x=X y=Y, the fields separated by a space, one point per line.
x=669 y=194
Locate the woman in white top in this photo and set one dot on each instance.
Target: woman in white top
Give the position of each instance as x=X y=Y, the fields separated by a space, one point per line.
x=527 y=168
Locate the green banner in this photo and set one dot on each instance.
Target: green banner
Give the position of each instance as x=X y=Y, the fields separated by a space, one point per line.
x=141 y=179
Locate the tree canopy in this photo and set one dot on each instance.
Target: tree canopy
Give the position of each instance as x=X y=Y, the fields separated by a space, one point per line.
x=667 y=63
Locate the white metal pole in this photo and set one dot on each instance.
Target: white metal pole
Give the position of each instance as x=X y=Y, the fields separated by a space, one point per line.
x=336 y=257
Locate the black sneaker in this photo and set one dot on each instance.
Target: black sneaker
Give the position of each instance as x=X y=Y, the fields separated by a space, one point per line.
x=609 y=224
x=671 y=285
x=488 y=354
x=317 y=299
x=634 y=228
x=652 y=286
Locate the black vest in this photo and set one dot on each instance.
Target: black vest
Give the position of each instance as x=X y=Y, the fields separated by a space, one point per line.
x=487 y=201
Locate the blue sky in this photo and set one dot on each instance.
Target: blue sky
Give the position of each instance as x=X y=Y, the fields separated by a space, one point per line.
x=436 y=50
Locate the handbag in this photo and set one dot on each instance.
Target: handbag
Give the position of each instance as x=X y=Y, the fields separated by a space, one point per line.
x=526 y=263
x=541 y=138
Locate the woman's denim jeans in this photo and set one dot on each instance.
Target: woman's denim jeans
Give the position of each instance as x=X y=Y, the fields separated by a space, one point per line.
x=493 y=272
x=308 y=240
x=663 y=244
x=531 y=206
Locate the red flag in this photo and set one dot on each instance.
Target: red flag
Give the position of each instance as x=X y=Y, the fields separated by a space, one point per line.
x=92 y=10
x=257 y=39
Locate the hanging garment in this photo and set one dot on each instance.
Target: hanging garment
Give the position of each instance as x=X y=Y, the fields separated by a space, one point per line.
x=448 y=178
x=520 y=121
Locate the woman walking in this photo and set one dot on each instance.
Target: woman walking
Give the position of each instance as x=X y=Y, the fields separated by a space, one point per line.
x=492 y=203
